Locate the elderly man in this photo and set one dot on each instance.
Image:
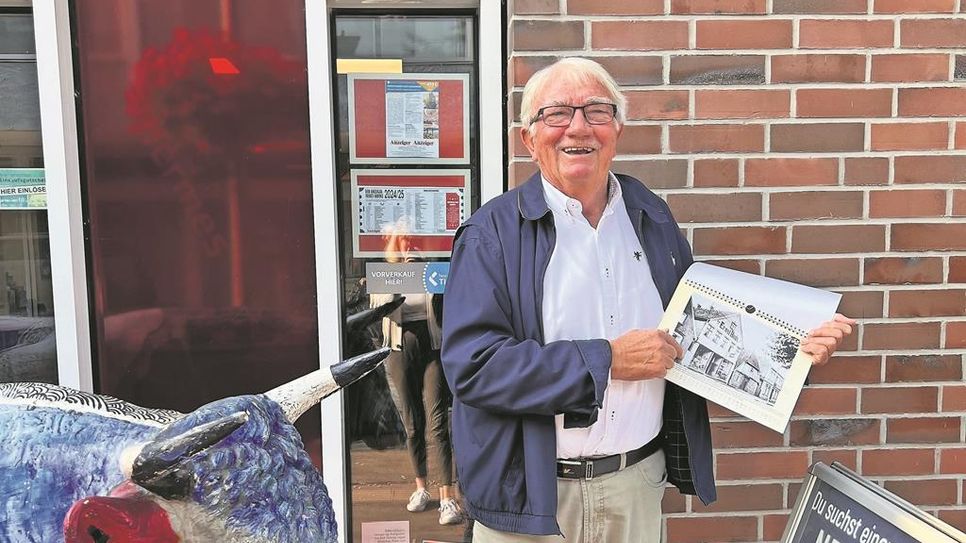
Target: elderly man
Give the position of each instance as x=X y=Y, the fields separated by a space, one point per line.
x=563 y=424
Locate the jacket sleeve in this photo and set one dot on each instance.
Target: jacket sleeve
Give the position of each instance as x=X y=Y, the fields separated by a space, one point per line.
x=488 y=368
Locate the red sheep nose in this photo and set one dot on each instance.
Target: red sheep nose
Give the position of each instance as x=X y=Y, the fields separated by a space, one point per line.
x=117 y=520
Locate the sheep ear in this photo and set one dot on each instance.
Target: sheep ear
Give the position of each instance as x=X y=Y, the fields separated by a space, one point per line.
x=296 y=397
x=159 y=466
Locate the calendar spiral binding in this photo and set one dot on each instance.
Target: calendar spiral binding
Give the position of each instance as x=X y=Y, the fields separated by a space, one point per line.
x=775 y=321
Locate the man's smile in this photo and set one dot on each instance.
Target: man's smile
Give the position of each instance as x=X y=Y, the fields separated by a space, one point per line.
x=577 y=150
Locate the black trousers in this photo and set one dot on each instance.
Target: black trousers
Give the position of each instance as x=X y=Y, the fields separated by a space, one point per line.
x=422 y=400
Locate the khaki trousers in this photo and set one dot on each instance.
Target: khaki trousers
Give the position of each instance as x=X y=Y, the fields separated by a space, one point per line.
x=620 y=507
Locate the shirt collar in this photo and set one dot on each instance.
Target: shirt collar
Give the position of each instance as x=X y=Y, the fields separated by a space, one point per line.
x=561 y=204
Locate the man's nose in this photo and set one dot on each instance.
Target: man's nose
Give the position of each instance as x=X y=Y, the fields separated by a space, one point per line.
x=578 y=122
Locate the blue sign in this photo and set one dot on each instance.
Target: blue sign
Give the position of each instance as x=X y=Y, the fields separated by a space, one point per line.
x=434 y=277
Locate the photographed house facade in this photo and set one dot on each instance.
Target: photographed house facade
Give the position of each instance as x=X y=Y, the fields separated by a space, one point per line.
x=207 y=168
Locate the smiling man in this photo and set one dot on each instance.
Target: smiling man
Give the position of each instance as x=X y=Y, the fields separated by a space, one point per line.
x=563 y=424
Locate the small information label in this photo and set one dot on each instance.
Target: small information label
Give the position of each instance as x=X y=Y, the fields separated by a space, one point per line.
x=396 y=531
x=23 y=188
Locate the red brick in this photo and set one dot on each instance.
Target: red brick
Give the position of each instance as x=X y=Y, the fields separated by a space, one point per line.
x=927 y=303
x=703 y=529
x=749 y=240
x=520 y=171
x=817 y=68
x=960 y=142
x=930 y=169
x=697 y=208
x=903 y=270
x=789 y=172
x=717 y=70
x=718 y=7
x=910 y=68
x=846 y=457
x=817 y=137
x=657 y=104
x=959 y=203
x=838 y=239
x=639 y=35
x=909 y=136
x=865 y=304
x=773 y=526
x=902 y=369
x=933 y=33
x=914 y=6
x=715 y=411
x=957 y=269
x=657 y=173
x=907 y=203
x=615 y=7
x=716 y=172
x=907 y=335
x=935 y=101
x=733 y=498
x=844 y=102
x=809 y=7
x=954 y=517
x=547 y=35
x=923 y=430
x=634 y=69
x=639 y=140
x=954 y=398
x=929 y=237
x=956 y=335
x=785 y=206
x=900 y=400
x=744 y=34
x=761 y=465
x=894 y=461
x=925 y=492
x=743 y=434
x=866 y=171
x=825 y=272
x=717 y=138
x=826 y=401
x=833 y=431
x=674 y=501
x=741 y=104
x=844 y=33
x=536 y=7
x=952 y=460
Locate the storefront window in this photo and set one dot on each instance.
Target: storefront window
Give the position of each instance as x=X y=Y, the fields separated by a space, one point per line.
x=194 y=144
x=27 y=342
x=408 y=175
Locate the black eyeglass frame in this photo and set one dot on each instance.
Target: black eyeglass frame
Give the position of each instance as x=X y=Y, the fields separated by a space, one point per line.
x=573 y=112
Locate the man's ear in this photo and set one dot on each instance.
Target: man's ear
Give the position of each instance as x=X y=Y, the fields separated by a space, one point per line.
x=528 y=141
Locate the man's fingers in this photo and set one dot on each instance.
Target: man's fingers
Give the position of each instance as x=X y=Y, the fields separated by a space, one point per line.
x=669 y=339
x=820 y=353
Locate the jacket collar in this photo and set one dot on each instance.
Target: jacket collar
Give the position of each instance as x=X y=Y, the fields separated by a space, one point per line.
x=533 y=205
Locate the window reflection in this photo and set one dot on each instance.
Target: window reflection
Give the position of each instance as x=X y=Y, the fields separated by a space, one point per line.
x=195 y=142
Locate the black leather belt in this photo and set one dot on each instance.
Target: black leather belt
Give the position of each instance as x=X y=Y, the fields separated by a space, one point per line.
x=588 y=468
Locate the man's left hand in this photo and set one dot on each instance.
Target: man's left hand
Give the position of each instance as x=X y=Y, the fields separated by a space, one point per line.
x=822 y=342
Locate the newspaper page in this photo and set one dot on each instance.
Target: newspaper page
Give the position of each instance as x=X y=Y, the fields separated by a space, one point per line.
x=741 y=334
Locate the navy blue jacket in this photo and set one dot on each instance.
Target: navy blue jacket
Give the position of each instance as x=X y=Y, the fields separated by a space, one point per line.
x=508 y=385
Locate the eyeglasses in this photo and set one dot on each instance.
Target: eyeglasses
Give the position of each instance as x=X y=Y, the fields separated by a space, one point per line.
x=563 y=115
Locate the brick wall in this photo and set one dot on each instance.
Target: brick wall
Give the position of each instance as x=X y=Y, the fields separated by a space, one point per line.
x=820 y=141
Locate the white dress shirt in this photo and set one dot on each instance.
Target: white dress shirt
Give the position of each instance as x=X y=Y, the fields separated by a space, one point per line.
x=598 y=285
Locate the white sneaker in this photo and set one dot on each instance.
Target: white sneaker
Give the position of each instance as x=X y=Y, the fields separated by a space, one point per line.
x=450 y=512
x=418 y=501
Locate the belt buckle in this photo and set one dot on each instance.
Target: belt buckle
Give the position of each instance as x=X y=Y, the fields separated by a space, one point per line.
x=568 y=470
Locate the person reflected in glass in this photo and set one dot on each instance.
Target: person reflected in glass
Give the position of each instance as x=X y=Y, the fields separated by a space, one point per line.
x=413 y=332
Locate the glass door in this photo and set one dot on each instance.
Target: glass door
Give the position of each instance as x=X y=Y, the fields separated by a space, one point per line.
x=407 y=174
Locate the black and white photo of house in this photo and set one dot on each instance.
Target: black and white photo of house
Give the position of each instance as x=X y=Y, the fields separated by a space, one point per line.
x=734 y=348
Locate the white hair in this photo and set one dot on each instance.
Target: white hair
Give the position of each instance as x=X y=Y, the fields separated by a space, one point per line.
x=577 y=69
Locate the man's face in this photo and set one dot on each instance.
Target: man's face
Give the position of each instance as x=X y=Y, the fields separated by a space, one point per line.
x=579 y=154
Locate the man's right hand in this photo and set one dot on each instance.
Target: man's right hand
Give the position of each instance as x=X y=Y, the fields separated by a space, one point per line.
x=643 y=354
